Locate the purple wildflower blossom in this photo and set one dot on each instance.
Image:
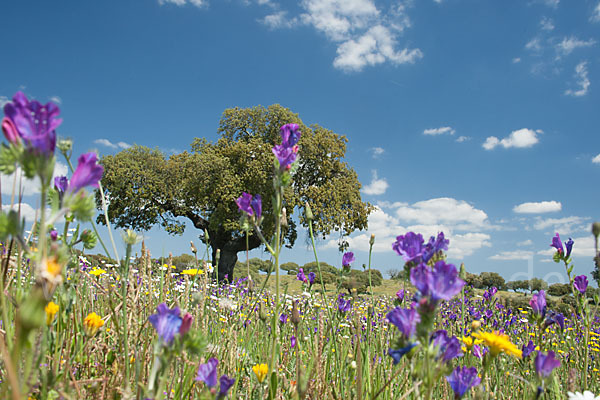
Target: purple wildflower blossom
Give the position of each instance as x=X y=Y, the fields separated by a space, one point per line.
x=250 y=205
x=300 y=276
x=557 y=243
x=348 y=258
x=61 y=183
x=441 y=283
x=554 y=317
x=186 y=324
x=409 y=246
x=405 y=319
x=286 y=152
x=53 y=235
x=569 y=246
x=166 y=322
x=400 y=295
x=225 y=383
x=397 y=354
x=283 y=318
x=33 y=123
x=448 y=347
x=293 y=341
x=435 y=245
x=87 y=173
x=545 y=363
x=462 y=379
x=311 y=278
x=538 y=303
x=344 y=305
x=528 y=349
x=207 y=373
x=581 y=283
x=290 y=135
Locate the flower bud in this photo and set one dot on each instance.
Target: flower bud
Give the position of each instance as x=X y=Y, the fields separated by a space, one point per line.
x=596 y=229
x=295 y=315
x=64 y=145
x=475 y=325
x=284 y=222
x=130 y=237
x=194 y=250
x=372 y=240
x=308 y=212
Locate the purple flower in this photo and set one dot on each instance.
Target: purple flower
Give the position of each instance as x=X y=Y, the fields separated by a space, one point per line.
x=166 y=322
x=569 y=246
x=61 y=183
x=409 y=246
x=283 y=318
x=311 y=278
x=344 y=305
x=557 y=243
x=435 y=245
x=477 y=352
x=441 y=283
x=207 y=373
x=225 y=384
x=31 y=122
x=538 y=303
x=544 y=364
x=462 y=379
x=347 y=259
x=555 y=318
x=290 y=135
x=581 y=283
x=397 y=354
x=293 y=341
x=448 y=347
x=250 y=205
x=300 y=276
x=400 y=295
x=405 y=319
x=53 y=235
x=87 y=173
x=528 y=349
x=489 y=294
x=186 y=324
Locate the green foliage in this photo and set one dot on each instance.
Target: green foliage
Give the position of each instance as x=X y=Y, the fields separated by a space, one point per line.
x=559 y=289
x=290 y=267
x=491 y=279
x=146 y=188
x=537 y=284
x=517 y=285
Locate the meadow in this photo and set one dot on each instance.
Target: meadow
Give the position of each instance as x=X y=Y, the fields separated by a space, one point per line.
x=74 y=327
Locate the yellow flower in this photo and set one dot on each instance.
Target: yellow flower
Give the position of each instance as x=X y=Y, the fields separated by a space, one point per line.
x=498 y=342
x=469 y=342
x=194 y=271
x=50 y=272
x=97 y=271
x=92 y=323
x=260 y=370
x=51 y=310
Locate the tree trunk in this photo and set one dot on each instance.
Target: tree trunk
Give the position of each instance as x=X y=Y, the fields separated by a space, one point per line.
x=227 y=260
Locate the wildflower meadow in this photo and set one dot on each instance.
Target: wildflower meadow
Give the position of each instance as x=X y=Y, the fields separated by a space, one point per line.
x=129 y=326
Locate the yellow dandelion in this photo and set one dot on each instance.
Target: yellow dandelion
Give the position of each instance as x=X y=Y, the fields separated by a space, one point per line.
x=97 y=271
x=260 y=370
x=92 y=323
x=193 y=271
x=498 y=342
x=51 y=310
x=469 y=342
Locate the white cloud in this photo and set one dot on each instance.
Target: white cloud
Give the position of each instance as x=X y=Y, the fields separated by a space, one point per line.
x=461 y=139
x=538 y=207
x=566 y=225
x=377 y=151
x=550 y=3
x=534 y=45
x=3 y=101
x=439 y=131
x=527 y=242
x=513 y=255
x=197 y=3
x=377 y=186
x=458 y=214
x=387 y=224
x=28 y=186
x=569 y=44
x=596 y=14
x=56 y=99
x=584 y=246
x=521 y=138
x=596 y=160
x=108 y=143
x=365 y=34
x=279 y=20
x=516 y=60
x=547 y=24
x=376 y=46
x=581 y=74
x=27 y=212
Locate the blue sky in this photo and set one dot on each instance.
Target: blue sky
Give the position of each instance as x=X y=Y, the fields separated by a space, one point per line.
x=475 y=117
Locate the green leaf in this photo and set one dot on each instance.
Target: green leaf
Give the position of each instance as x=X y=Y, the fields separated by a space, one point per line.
x=9 y=155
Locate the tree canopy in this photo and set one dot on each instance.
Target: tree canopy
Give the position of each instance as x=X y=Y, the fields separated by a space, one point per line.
x=144 y=187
